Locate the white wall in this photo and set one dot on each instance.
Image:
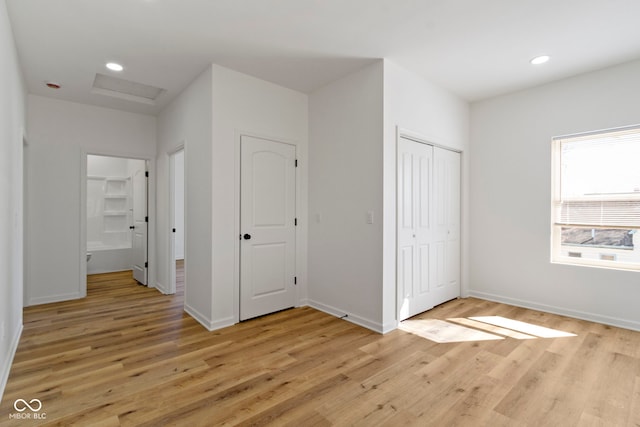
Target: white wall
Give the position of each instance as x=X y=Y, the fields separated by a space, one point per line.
x=60 y=135
x=12 y=122
x=414 y=104
x=106 y=166
x=510 y=196
x=345 y=182
x=187 y=121
x=244 y=104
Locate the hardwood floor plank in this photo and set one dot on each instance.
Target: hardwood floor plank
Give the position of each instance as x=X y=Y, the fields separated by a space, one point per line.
x=443 y=394
x=474 y=407
x=532 y=386
x=276 y=411
x=128 y=355
x=634 y=411
x=614 y=384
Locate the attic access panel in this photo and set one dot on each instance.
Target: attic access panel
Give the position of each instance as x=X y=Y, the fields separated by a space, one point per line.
x=125 y=89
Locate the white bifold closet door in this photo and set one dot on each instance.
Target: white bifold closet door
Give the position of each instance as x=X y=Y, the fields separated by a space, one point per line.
x=428 y=242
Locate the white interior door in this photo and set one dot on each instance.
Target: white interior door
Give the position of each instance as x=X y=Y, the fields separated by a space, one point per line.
x=428 y=241
x=267 y=226
x=140 y=223
x=447 y=225
x=415 y=249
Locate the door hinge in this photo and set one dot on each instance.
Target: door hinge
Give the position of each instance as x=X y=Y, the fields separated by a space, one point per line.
x=146 y=173
x=146 y=219
x=296 y=162
x=146 y=265
x=295 y=280
x=295 y=222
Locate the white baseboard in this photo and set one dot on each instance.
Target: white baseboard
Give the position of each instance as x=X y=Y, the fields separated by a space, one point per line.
x=350 y=317
x=200 y=318
x=107 y=270
x=8 y=361
x=54 y=298
x=390 y=327
x=210 y=325
x=592 y=317
x=221 y=323
x=160 y=287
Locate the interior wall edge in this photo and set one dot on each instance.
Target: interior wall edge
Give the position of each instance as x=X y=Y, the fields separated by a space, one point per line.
x=6 y=368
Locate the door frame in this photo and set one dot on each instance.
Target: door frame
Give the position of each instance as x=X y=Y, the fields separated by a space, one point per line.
x=301 y=214
x=171 y=262
x=422 y=139
x=151 y=212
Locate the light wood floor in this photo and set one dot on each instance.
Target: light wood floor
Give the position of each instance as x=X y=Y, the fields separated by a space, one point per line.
x=127 y=355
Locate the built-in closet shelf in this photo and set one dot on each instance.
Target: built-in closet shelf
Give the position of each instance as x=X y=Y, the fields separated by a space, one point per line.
x=115 y=196
x=116 y=187
x=115 y=213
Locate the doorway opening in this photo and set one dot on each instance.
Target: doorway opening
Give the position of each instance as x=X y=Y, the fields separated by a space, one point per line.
x=177 y=222
x=116 y=216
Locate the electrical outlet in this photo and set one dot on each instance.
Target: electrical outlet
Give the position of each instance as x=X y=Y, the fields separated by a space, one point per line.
x=370 y=217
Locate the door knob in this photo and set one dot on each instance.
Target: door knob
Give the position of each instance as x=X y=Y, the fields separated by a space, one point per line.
x=247 y=236
x=131 y=227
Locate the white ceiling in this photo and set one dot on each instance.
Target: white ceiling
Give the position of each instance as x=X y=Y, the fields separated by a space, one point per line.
x=474 y=48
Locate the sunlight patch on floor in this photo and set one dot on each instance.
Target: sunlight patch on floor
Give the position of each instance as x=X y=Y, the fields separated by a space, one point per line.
x=441 y=331
x=527 y=328
x=492 y=328
x=480 y=328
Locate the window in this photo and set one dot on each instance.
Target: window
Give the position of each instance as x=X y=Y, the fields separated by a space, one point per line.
x=596 y=199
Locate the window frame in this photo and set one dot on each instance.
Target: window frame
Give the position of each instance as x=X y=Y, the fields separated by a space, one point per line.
x=556 y=226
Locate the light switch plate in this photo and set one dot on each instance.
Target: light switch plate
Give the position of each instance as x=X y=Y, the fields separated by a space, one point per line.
x=370 y=217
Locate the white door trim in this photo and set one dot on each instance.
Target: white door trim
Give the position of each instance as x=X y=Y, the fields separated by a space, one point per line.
x=414 y=136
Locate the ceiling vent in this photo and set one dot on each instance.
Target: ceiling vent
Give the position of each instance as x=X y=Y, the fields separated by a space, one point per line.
x=125 y=89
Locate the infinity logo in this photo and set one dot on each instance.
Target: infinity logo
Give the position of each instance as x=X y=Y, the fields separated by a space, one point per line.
x=24 y=405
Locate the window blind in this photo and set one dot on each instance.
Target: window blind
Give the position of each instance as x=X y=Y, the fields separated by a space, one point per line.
x=599 y=213
x=599 y=179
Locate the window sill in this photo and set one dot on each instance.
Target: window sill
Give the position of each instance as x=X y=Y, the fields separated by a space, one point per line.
x=596 y=264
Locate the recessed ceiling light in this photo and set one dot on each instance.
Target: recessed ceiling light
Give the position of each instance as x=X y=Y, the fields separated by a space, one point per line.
x=113 y=66
x=540 y=59
x=52 y=85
